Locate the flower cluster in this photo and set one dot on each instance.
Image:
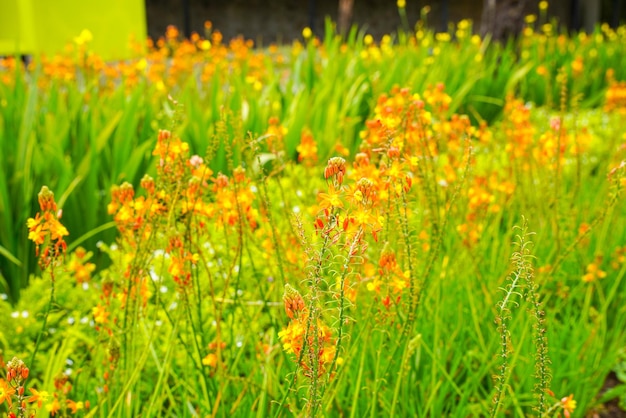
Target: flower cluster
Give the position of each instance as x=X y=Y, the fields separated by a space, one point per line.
x=307 y=149
x=301 y=334
x=133 y=215
x=46 y=230
x=275 y=135
x=615 y=99
x=519 y=130
x=551 y=145
x=619 y=258
x=485 y=195
x=212 y=358
x=181 y=258
x=234 y=200
x=593 y=272
x=79 y=265
x=391 y=276
x=54 y=402
x=13 y=386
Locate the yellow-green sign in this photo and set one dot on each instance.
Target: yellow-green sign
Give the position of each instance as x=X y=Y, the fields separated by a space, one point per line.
x=47 y=26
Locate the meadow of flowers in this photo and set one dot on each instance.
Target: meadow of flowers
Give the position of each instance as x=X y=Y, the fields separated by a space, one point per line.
x=429 y=224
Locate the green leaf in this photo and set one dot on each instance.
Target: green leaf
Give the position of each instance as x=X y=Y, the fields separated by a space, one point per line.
x=4 y=252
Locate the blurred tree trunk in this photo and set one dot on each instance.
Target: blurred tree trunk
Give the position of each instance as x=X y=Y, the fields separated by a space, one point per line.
x=591 y=12
x=345 y=15
x=488 y=18
x=502 y=18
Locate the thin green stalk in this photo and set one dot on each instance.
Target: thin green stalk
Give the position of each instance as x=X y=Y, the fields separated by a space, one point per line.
x=266 y=201
x=374 y=398
x=204 y=381
x=342 y=299
x=163 y=372
x=45 y=317
x=413 y=293
x=523 y=268
x=612 y=200
x=557 y=177
x=315 y=275
x=400 y=382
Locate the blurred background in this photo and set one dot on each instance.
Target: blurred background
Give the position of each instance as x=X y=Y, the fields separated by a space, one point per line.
x=39 y=26
x=272 y=20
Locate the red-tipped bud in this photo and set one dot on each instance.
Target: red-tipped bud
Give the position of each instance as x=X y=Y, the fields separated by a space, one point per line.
x=294 y=304
x=393 y=152
x=164 y=134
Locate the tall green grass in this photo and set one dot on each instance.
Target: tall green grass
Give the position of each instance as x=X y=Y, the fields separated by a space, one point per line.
x=82 y=136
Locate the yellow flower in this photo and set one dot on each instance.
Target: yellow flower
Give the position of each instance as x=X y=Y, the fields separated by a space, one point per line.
x=205 y=45
x=210 y=360
x=100 y=315
x=568 y=404
x=36 y=230
x=32 y=222
x=84 y=37
x=307 y=33
x=292 y=336
x=593 y=272
x=401 y=4
x=53 y=407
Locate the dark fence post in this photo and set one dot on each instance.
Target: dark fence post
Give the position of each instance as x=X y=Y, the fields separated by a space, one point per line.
x=445 y=16
x=576 y=23
x=186 y=18
x=617 y=12
x=312 y=15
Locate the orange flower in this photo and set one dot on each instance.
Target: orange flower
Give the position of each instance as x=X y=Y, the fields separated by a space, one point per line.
x=6 y=392
x=569 y=405
x=307 y=150
x=75 y=406
x=38 y=397
x=82 y=270
x=54 y=407
x=210 y=360
x=46 y=226
x=57 y=230
x=330 y=199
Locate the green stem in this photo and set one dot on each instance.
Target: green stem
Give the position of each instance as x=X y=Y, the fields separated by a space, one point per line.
x=45 y=318
x=342 y=299
x=205 y=383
